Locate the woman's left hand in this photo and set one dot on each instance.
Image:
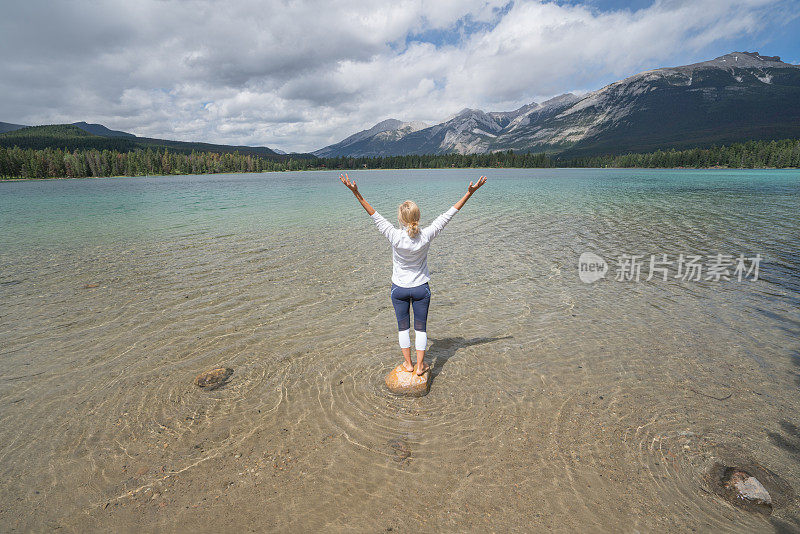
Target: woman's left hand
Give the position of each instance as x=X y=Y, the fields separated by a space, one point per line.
x=351 y=184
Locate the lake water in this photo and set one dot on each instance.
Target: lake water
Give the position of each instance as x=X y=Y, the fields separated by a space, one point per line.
x=555 y=404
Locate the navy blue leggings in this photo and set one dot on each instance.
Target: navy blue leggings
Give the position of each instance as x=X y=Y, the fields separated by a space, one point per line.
x=419 y=297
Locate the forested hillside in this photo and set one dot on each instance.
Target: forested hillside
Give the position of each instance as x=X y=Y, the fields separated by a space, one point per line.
x=56 y=163
x=71 y=137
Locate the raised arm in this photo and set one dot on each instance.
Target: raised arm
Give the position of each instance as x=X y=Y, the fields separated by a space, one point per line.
x=441 y=221
x=471 y=188
x=351 y=185
x=384 y=226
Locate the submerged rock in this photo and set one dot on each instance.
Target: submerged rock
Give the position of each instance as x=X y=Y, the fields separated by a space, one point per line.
x=214 y=378
x=745 y=486
x=401 y=382
x=401 y=449
x=748 y=487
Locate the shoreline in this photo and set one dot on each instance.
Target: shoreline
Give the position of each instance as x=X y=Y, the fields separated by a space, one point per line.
x=23 y=179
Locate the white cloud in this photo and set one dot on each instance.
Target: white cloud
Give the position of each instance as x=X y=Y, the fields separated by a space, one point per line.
x=300 y=75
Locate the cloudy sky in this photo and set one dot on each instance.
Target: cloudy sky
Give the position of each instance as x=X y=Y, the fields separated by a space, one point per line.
x=299 y=75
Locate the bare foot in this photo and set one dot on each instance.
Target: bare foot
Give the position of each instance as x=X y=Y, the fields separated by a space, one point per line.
x=421 y=368
x=408 y=367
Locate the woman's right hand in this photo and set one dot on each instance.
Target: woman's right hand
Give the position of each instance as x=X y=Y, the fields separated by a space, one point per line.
x=474 y=187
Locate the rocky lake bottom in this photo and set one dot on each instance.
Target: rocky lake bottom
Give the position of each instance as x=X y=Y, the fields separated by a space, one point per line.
x=612 y=406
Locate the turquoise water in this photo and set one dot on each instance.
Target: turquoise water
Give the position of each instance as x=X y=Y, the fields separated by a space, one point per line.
x=549 y=394
x=88 y=211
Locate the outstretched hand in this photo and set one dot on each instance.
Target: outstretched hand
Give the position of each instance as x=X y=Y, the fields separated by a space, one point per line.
x=470 y=189
x=351 y=184
x=474 y=187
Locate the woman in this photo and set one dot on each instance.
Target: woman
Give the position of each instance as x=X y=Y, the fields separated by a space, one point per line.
x=410 y=267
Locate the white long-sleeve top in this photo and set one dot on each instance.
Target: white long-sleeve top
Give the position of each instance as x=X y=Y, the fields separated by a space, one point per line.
x=410 y=256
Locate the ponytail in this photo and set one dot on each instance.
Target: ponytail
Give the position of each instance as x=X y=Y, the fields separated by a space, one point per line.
x=408 y=215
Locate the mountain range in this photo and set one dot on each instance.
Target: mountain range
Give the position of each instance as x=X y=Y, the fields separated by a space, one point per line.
x=736 y=97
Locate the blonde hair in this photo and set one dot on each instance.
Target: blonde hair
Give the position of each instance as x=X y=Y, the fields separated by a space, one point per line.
x=408 y=215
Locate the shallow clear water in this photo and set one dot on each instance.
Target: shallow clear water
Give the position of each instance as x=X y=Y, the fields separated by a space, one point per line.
x=555 y=404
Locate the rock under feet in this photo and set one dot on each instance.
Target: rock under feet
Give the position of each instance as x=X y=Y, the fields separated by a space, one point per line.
x=401 y=382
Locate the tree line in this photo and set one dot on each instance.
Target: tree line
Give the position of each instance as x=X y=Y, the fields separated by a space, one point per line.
x=56 y=163
x=16 y=162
